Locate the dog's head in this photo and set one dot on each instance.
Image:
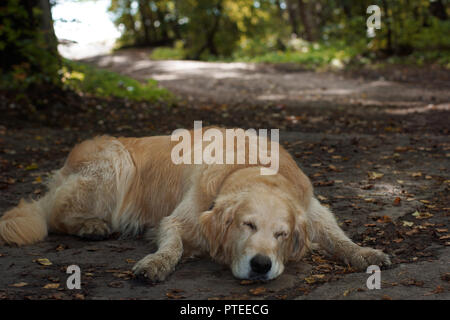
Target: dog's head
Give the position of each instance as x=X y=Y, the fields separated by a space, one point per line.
x=255 y=229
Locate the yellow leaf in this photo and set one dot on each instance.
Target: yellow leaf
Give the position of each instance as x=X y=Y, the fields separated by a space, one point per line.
x=310 y=280
x=408 y=224
x=32 y=166
x=374 y=175
x=51 y=286
x=43 y=262
x=19 y=284
x=422 y=215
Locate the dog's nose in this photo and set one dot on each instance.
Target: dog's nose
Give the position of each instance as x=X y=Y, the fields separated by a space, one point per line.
x=260 y=264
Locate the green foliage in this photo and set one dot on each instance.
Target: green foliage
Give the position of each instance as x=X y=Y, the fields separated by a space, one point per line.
x=169 y=53
x=262 y=30
x=25 y=56
x=102 y=83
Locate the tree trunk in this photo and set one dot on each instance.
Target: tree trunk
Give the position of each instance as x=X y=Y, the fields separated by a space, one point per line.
x=146 y=21
x=437 y=9
x=209 y=43
x=306 y=15
x=292 y=12
x=389 y=48
x=47 y=26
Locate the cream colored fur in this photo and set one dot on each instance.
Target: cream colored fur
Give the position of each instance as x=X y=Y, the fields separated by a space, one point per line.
x=129 y=185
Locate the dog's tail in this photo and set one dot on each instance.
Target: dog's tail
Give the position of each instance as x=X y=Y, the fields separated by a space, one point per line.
x=24 y=224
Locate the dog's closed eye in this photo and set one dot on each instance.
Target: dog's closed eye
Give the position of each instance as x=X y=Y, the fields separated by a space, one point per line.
x=280 y=234
x=251 y=225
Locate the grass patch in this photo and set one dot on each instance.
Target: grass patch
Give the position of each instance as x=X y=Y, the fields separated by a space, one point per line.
x=315 y=56
x=103 y=83
x=169 y=53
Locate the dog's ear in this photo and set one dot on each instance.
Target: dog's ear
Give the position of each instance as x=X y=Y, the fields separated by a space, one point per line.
x=215 y=224
x=299 y=240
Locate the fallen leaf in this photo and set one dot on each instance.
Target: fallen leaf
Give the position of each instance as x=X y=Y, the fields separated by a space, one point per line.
x=175 y=294
x=258 y=291
x=115 y=284
x=397 y=201
x=374 y=175
x=43 y=262
x=422 y=215
x=310 y=280
x=51 y=286
x=385 y=219
x=32 y=166
x=19 y=284
x=438 y=289
x=408 y=224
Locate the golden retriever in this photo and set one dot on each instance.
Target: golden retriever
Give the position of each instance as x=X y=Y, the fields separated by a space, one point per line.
x=251 y=222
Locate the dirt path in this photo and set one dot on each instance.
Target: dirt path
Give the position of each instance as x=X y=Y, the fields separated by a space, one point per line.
x=340 y=129
x=245 y=83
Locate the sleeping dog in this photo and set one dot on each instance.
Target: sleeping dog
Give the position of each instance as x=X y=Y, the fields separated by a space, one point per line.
x=251 y=222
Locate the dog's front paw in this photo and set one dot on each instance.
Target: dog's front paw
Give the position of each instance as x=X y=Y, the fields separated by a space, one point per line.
x=363 y=257
x=154 y=267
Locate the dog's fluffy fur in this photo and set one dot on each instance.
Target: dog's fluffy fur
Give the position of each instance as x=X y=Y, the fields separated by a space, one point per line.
x=231 y=212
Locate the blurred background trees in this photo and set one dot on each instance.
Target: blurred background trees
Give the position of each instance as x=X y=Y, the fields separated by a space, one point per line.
x=223 y=28
x=313 y=33
x=28 y=45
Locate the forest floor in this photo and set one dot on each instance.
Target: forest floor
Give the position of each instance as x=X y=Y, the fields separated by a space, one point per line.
x=375 y=144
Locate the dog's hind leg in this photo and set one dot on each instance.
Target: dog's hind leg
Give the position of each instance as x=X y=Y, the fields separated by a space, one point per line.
x=77 y=210
x=323 y=229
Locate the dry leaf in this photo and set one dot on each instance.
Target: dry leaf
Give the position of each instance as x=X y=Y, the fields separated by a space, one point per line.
x=310 y=280
x=32 y=166
x=43 y=262
x=258 y=291
x=374 y=175
x=51 y=286
x=408 y=224
x=385 y=219
x=19 y=284
x=422 y=215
